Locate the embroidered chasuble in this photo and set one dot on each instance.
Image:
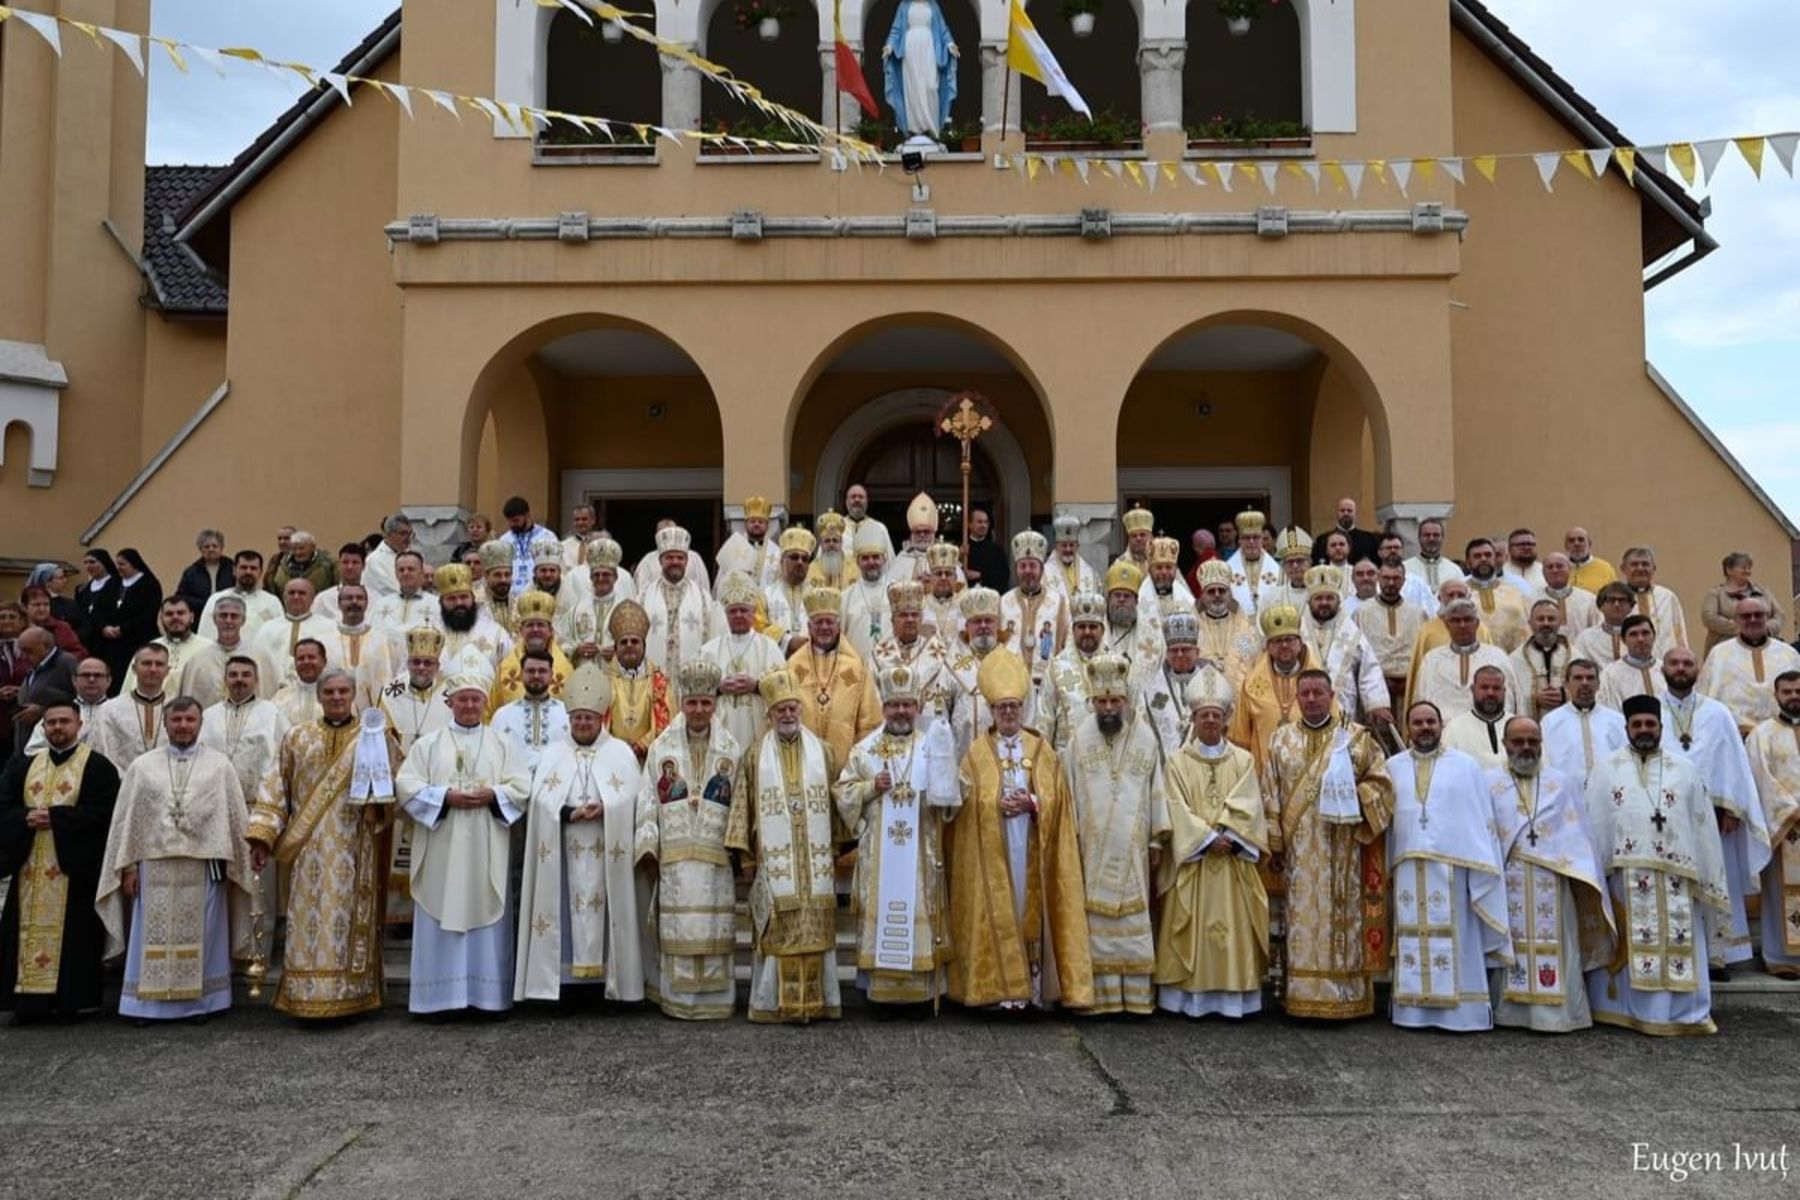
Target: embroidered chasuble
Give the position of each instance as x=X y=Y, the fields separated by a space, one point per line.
x=1017 y=906
x=1774 y=750
x=509 y=684
x=1121 y=813
x=1328 y=803
x=1071 y=578
x=1742 y=678
x=867 y=618
x=181 y=821
x=1231 y=644
x=1702 y=731
x=1212 y=944
x=1266 y=703
x=745 y=716
x=781 y=824
x=51 y=938
x=337 y=852
x=1062 y=698
x=1658 y=843
x=1559 y=919
x=586 y=623
x=837 y=696
x=581 y=898
x=1255 y=585
x=491 y=640
x=902 y=942
x=1449 y=892
x=684 y=804
x=683 y=618
x=411 y=714
x=939 y=691
x=641 y=705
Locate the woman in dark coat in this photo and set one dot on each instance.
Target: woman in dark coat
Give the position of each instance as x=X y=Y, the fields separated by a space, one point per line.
x=134 y=619
x=97 y=601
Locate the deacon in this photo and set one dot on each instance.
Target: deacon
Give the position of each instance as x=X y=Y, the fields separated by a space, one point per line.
x=1212 y=944
x=1448 y=883
x=132 y=724
x=1062 y=700
x=1561 y=922
x=750 y=552
x=177 y=851
x=743 y=657
x=1013 y=864
x=1444 y=674
x=1115 y=780
x=865 y=612
x=1228 y=637
x=323 y=812
x=921 y=526
x=463 y=786
x=837 y=689
x=1330 y=804
x=1540 y=664
x=1774 y=749
x=1341 y=651
x=1582 y=732
x=1636 y=673
x=895 y=795
x=685 y=795
x=1034 y=619
x=785 y=598
x=1391 y=624
x=56 y=806
x=640 y=692
x=1478 y=731
x=1070 y=574
x=580 y=929
x=682 y=614
x=1738 y=670
x=1658 y=843
x=537 y=635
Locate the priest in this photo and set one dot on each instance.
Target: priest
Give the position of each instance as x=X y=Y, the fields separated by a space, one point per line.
x=1636 y=673
x=1034 y=619
x=743 y=657
x=56 y=807
x=324 y=812
x=372 y=656
x=131 y=724
x=414 y=704
x=909 y=563
x=865 y=614
x=1738 y=671
x=1604 y=642
x=177 y=851
x=837 y=688
x=640 y=692
x=1444 y=674
x=1542 y=662
x=248 y=730
x=1447 y=881
x=1070 y=573
x=1653 y=600
x=1062 y=700
x=1774 y=749
x=1391 y=624
x=1502 y=605
x=784 y=599
x=275 y=640
x=1228 y=638
x=580 y=900
x=1658 y=843
x=683 y=617
x=1212 y=944
x=1576 y=608
x=1582 y=732
x=1268 y=700
x=1478 y=731
x=750 y=552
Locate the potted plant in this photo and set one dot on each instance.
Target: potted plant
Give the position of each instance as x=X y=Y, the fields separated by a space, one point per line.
x=1107 y=131
x=1241 y=14
x=1080 y=15
x=879 y=134
x=963 y=133
x=756 y=128
x=764 y=16
x=1248 y=132
x=560 y=140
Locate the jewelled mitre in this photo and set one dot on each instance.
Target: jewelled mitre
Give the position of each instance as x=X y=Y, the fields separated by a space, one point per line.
x=1280 y=620
x=1108 y=676
x=452 y=579
x=898 y=682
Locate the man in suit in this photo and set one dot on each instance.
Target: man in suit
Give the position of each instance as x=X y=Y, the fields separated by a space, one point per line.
x=51 y=673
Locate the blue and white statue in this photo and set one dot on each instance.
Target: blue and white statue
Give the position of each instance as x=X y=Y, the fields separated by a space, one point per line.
x=919 y=69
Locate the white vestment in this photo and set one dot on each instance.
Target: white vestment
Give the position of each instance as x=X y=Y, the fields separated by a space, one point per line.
x=1434 y=573
x=1600 y=645
x=299 y=700
x=683 y=618
x=405 y=613
x=532 y=726
x=249 y=734
x=126 y=729
x=1340 y=649
x=1481 y=739
x=1575 y=606
x=752 y=654
x=1702 y=731
x=372 y=655
x=1774 y=750
x=866 y=617
x=185 y=659
x=1663 y=607
x=1445 y=675
x=1742 y=678
x=648 y=572
x=378 y=572
x=274 y=642
x=1622 y=680
x=259 y=606
x=1575 y=739
x=1391 y=630
x=1255 y=588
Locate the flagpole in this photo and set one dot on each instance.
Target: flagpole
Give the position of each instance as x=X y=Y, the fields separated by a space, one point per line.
x=1006 y=91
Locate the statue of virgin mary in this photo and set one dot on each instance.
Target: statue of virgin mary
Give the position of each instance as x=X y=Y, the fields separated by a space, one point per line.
x=919 y=68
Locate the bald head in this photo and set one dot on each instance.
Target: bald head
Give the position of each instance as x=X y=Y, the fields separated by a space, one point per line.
x=36 y=644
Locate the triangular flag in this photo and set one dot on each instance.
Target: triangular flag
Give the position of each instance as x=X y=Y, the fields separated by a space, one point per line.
x=1137 y=176
x=1784 y=144
x=1578 y=159
x=1192 y=171
x=1627 y=163
x=571 y=6
x=1311 y=170
x=93 y=31
x=173 y=50
x=1150 y=176
x=403 y=94
x=1268 y=170
x=1248 y=172
x=211 y=58
x=243 y=52
x=1710 y=154
x=1353 y=171
x=1427 y=169
x=1033 y=165
x=1597 y=160
x=1378 y=168
x=1018 y=164
x=130 y=43
x=1403 y=170
x=1682 y=155
x=45 y=26
x=1081 y=168
x=1453 y=167
x=1067 y=166
x=1168 y=170
x=1546 y=165
x=341 y=86
x=1114 y=167
x=1487 y=164
x=1221 y=174
x=1336 y=172
x=445 y=101
x=1752 y=150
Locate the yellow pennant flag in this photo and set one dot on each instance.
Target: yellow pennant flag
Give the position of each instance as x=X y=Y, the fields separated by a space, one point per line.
x=1337 y=175
x=1579 y=160
x=1682 y=155
x=1426 y=167
x=1137 y=176
x=1487 y=164
x=1168 y=170
x=1032 y=167
x=1027 y=54
x=1378 y=168
x=1627 y=158
x=1752 y=150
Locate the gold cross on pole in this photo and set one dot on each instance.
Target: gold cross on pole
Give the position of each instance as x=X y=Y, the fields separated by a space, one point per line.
x=965 y=418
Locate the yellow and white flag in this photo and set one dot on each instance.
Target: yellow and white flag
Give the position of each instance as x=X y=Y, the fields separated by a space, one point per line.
x=1027 y=54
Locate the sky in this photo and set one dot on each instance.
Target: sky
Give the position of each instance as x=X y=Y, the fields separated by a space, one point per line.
x=1726 y=332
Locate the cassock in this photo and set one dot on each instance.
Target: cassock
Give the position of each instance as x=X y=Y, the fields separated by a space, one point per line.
x=1774 y=750
x=867 y=616
x=1212 y=945
x=1577 y=738
x=181 y=821
x=683 y=618
x=1576 y=609
x=1443 y=677
x=1702 y=731
x=1478 y=737
x=1658 y=842
x=1449 y=892
x=532 y=726
x=837 y=696
x=582 y=897
x=1600 y=644
x=1560 y=921
x=259 y=606
x=1017 y=915
x=1329 y=805
x=640 y=705
x=275 y=640
x=1742 y=678
x=745 y=716
x=127 y=727
x=781 y=824
x=1502 y=608
x=334 y=843
x=462 y=949
x=51 y=939
x=684 y=804
x=1121 y=813
x=1628 y=677
x=1535 y=668
x=1392 y=630
x=1663 y=607
x=411 y=714
x=902 y=934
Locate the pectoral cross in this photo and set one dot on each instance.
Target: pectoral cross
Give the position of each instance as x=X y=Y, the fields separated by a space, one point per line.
x=1658 y=820
x=1531 y=834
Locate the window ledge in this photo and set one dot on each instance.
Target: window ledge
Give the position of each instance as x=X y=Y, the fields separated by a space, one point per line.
x=1284 y=148
x=709 y=159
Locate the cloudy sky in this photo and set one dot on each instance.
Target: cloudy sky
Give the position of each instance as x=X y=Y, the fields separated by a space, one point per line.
x=1726 y=332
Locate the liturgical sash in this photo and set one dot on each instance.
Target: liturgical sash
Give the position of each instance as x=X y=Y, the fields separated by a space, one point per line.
x=43 y=888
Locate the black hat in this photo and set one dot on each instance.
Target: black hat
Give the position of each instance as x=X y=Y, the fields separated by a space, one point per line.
x=1639 y=706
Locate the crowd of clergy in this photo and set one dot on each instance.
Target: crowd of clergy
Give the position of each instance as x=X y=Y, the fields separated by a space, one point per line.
x=1511 y=790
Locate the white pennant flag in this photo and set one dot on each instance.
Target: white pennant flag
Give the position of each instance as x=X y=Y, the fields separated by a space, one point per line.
x=1402 y=169
x=1081 y=168
x=1223 y=172
x=1313 y=173
x=1050 y=161
x=1598 y=159
x=1268 y=170
x=1453 y=167
x=403 y=94
x=1710 y=154
x=1353 y=171
x=339 y=84
x=1546 y=165
x=1114 y=167
x=1192 y=171
x=211 y=58
x=1151 y=171
x=130 y=43
x=445 y=101
x=1783 y=145
x=46 y=27
x=1018 y=163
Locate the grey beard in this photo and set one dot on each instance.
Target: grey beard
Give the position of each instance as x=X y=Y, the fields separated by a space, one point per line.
x=984 y=643
x=1525 y=765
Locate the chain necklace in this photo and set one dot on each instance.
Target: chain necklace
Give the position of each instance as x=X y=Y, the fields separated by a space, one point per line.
x=1424 y=767
x=812 y=650
x=1684 y=726
x=1529 y=811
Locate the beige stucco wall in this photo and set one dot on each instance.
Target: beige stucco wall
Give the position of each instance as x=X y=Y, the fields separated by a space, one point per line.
x=184 y=362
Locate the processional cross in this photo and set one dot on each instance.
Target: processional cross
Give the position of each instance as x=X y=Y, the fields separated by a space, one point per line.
x=965 y=417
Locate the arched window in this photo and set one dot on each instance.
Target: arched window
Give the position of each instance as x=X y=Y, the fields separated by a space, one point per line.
x=965 y=110
x=782 y=60
x=1244 y=89
x=591 y=71
x=1102 y=64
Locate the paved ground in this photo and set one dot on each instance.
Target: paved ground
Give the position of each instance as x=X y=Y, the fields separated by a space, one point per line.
x=630 y=1104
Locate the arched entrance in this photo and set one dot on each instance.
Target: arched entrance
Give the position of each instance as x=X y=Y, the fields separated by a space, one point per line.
x=902 y=454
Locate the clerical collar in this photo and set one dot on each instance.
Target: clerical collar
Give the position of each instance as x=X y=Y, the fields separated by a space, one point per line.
x=336 y=722
x=1640 y=663
x=1495 y=719
x=1322 y=724
x=1551 y=648
x=1036 y=591
x=1278 y=669
x=354 y=629
x=1396 y=602
x=1476 y=581
x=246 y=702
x=1429 y=558
x=178 y=638
x=159 y=698
x=459 y=727
x=1561 y=593
x=1584 y=708
x=1425 y=754
x=1786 y=719
x=1645 y=590
x=59 y=757
x=293 y=620
x=1758 y=644
x=1581 y=562
x=1464 y=649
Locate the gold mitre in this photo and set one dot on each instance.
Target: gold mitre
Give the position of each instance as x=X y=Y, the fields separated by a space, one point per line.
x=906 y=595
x=942 y=555
x=979 y=602
x=587 y=690
x=871 y=538
x=496 y=554
x=922 y=513
x=1215 y=572
x=1210 y=689
x=537 y=606
x=1280 y=620
x=830 y=524
x=1066 y=528
x=1029 y=544
x=1124 y=576
x=757 y=508
x=1139 y=520
x=1251 y=521
x=1324 y=580
x=628 y=619
x=898 y=682
x=424 y=641
x=1087 y=607
x=799 y=539
x=1294 y=542
x=453 y=579
x=778 y=686
x=736 y=588
x=1181 y=628
x=1108 y=676
x=604 y=552
x=671 y=539
x=546 y=552
x=699 y=677
x=823 y=602
x=1002 y=676
x=1164 y=550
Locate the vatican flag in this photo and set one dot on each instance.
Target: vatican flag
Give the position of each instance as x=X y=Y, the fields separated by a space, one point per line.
x=1027 y=54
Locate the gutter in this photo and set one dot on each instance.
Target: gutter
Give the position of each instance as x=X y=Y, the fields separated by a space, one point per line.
x=1704 y=242
x=155 y=464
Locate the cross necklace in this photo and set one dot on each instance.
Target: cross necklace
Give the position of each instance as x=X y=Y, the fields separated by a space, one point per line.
x=1529 y=812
